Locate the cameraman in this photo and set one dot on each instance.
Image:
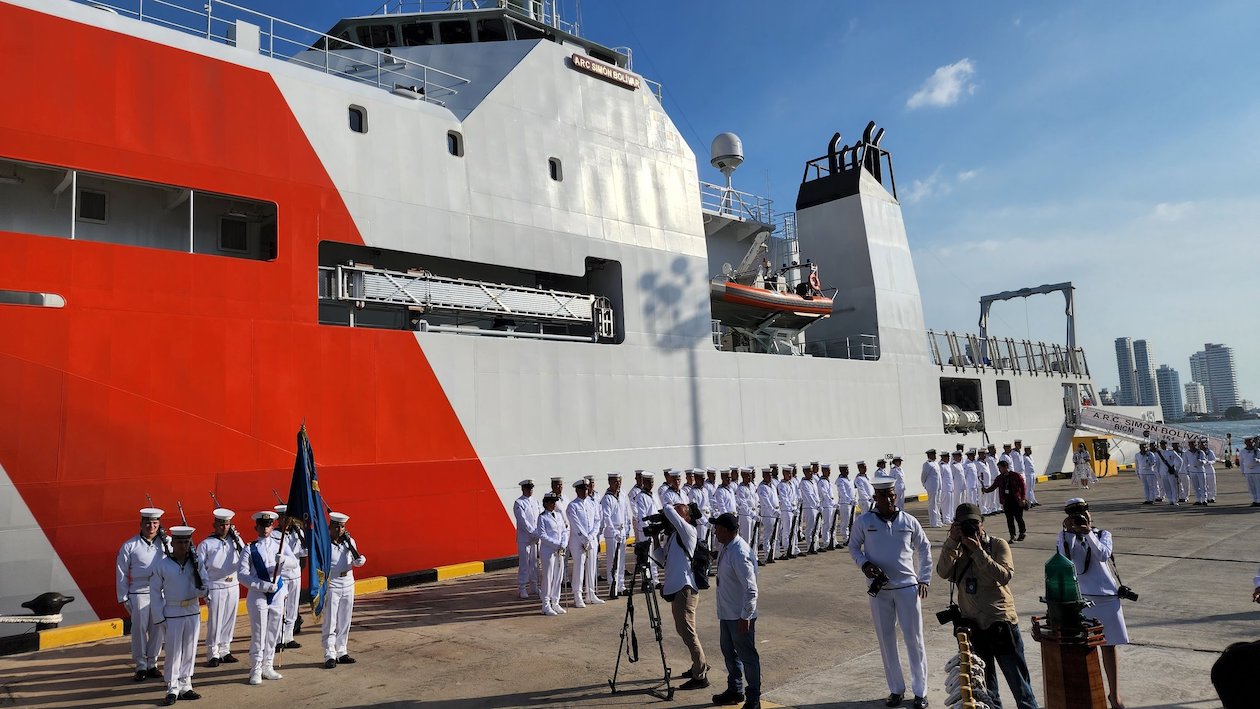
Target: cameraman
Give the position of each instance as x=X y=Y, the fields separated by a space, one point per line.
x=674 y=550
x=980 y=568
x=1090 y=549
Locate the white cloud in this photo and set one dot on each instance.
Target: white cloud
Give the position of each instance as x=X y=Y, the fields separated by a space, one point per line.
x=966 y=175
x=931 y=186
x=1171 y=211
x=945 y=86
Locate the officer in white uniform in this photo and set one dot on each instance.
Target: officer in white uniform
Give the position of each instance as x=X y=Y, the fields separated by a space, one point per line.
x=931 y=479
x=340 y=604
x=292 y=574
x=711 y=483
x=614 y=518
x=811 y=507
x=1146 y=463
x=137 y=558
x=525 y=511
x=672 y=493
x=1196 y=462
x=863 y=492
x=1017 y=464
x=992 y=462
x=899 y=475
x=971 y=478
x=175 y=588
x=220 y=556
x=583 y=517
x=746 y=505
x=768 y=512
x=553 y=536
x=723 y=498
x=1209 y=469
x=884 y=545
x=827 y=508
x=1249 y=461
x=844 y=503
x=959 y=474
x=787 y=515
x=1030 y=476
x=699 y=495
x=261 y=574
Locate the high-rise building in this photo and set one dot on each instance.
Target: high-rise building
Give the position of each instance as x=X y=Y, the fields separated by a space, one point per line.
x=1126 y=395
x=1169 y=392
x=1196 y=402
x=1144 y=373
x=1215 y=369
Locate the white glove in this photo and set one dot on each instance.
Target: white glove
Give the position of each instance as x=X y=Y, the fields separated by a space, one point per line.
x=269 y=587
x=360 y=561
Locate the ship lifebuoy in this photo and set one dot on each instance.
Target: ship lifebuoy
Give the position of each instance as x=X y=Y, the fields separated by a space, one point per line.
x=814 y=282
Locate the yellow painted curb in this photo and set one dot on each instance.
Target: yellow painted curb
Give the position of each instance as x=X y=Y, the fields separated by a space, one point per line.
x=82 y=633
x=456 y=570
x=374 y=584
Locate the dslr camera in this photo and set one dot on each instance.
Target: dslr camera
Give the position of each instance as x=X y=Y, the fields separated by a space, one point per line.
x=877 y=583
x=1127 y=593
x=656 y=525
x=949 y=615
x=970 y=528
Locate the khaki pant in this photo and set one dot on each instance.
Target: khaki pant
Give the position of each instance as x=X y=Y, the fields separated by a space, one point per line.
x=684 y=608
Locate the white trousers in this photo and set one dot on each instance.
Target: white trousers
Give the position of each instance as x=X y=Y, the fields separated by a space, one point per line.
x=787 y=535
x=934 y=503
x=265 y=621
x=989 y=501
x=1198 y=481
x=810 y=518
x=1159 y=484
x=615 y=562
x=526 y=564
x=746 y=524
x=768 y=544
x=146 y=633
x=1149 y=486
x=221 y=620
x=893 y=607
x=337 y=611
x=1183 y=485
x=844 y=511
x=1211 y=482
x=551 y=575
x=1253 y=486
x=827 y=526
x=947 y=503
x=181 y=652
x=582 y=575
x=293 y=592
x=1030 y=487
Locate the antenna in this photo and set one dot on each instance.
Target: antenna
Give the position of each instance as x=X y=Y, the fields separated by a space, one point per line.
x=727 y=154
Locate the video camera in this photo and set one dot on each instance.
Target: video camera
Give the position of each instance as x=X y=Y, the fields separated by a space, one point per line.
x=657 y=524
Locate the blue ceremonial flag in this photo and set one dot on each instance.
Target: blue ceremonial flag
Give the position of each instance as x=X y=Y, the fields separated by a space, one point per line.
x=306 y=503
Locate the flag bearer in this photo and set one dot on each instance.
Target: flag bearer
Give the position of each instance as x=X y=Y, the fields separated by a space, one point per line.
x=260 y=572
x=340 y=602
x=175 y=590
x=136 y=560
x=291 y=573
x=220 y=556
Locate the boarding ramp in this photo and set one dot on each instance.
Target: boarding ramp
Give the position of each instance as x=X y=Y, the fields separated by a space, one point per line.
x=1103 y=420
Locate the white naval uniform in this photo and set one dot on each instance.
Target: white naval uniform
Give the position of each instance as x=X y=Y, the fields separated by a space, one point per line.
x=931 y=479
x=265 y=617
x=1146 y=463
x=960 y=483
x=1016 y=458
x=971 y=478
x=768 y=511
x=614 y=518
x=1249 y=461
x=946 y=496
x=991 y=498
x=746 y=509
x=220 y=559
x=174 y=599
x=1195 y=462
x=827 y=505
x=1030 y=479
x=339 y=605
x=643 y=505
x=787 y=510
x=723 y=500
x=136 y=560
x=1210 y=470
x=671 y=497
x=810 y=508
x=700 y=496
x=899 y=481
x=893 y=546
x=553 y=536
x=583 y=518
x=291 y=572
x=1089 y=553
x=525 y=511
x=844 y=506
x=863 y=493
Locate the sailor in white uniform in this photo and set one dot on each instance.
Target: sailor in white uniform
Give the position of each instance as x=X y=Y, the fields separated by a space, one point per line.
x=175 y=589
x=1209 y=469
x=991 y=498
x=614 y=518
x=844 y=504
x=899 y=475
x=525 y=511
x=947 y=489
x=643 y=505
x=811 y=508
x=260 y=571
x=136 y=560
x=220 y=556
x=971 y=476
x=1249 y=461
x=672 y=493
x=959 y=478
x=292 y=573
x=710 y=481
x=746 y=505
x=1030 y=477
x=863 y=492
x=768 y=511
x=339 y=605
x=787 y=515
x=1196 y=465
x=583 y=517
x=553 y=536
x=826 y=508
x=892 y=550
x=931 y=479
x=699 y=495
x=1145 y=463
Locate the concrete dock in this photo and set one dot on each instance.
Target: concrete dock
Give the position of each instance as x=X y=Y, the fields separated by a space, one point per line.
x=470 y=643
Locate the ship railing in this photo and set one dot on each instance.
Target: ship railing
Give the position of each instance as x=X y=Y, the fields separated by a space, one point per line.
x=546 y=12
x=727 y=202
x=862 y=347
x=970 y=352
x=217 y=20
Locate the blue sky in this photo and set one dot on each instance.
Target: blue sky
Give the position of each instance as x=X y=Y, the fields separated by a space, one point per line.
x=1115 y=145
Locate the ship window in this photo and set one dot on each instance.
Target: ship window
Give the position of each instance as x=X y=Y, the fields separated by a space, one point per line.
x=233 y=234
x=556 y=169
x=358 y=119
x=524 y=31
x=454 y=143
x=418 y=34
x=455 y=31
x=334 y=45
x=1003 y=392
x=377 y=36
x=491 y=30
x=93 y=206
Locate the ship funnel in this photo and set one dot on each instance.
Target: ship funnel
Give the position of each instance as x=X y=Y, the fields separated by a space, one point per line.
x=727 y=154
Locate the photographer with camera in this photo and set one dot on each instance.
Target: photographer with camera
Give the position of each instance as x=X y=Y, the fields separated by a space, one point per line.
x=1090 y=549
x=883 y=544
x=676 y=536
x=980 y=568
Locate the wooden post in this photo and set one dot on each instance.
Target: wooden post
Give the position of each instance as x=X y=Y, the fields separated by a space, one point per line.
x=1070 y=667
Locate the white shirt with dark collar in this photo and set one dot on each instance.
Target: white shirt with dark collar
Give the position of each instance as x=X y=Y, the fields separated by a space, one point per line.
x=892 y=545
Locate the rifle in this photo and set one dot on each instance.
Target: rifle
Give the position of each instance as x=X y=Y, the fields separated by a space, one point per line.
x=773 y=540
x=852 y=515
x=794 y=533
x=831 y=529
x=813 y=540
x=287 y=517
x=236 y=538
x=166 y=540
x=192 y=550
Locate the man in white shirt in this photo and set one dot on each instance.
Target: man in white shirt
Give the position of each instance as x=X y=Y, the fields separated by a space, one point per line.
x=672 y=493
x=827 y=507
x=737 y=615
x=675 y=551
x=959 y=479
x=1146 y=463
x=1196 y=465
x=644 y=505
x=1249 y=461
x=863 y=492
x=339 y=607
x=1030 y=477
x=810 y=506
x=971 y=477
x=1209 y=469
x=525 y=511
x=175 y=587
x=262 y=575
x=614 y=515
x=583 y=517
x=768 y=510
x=845 y=504
x=292 y=574
x=899 y=475
x=700 y=496
x=787 y=515
x=931 y=479
x=884 y=545
x=553 y=536
x=220 y=556
x=137 y=558
x=991 y=498
x=746 y=505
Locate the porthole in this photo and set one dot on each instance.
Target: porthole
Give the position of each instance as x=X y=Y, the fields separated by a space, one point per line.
x=358 y=119
x=455 y=144
x=555 y=168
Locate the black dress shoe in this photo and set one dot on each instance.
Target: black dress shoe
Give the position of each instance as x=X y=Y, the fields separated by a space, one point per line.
x=189 y=695
x=229 y=658
x=214 y=662
x=1021 y=538
x=346 y=660
x=297 y=625
x=293 y=645
x=170 y=700
x=752 y=704
x=139 y=676
x=279 y=647
x=694 y=683
x=919 y=703
x=153 y=673
x=728 y=698
x=893 y=700
x=330 y=664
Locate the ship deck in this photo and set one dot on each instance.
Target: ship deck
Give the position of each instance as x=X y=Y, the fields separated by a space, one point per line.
x=469 y=642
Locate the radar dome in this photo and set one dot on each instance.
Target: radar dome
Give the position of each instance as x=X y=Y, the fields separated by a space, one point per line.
x=727 y=152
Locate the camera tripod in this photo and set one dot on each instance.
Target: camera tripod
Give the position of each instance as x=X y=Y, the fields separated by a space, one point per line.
x=642 y=582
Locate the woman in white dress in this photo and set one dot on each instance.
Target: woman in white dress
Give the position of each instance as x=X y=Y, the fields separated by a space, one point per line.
x=1082 y=467
x=1090 y=549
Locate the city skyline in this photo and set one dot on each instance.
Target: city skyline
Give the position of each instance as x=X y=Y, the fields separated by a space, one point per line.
x=1213 y=372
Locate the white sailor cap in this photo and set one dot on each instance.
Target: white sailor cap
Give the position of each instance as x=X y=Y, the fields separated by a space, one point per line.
x=791 y=466
x=281 y=509
x=767 y=469
x=527 y=482
x=711 y=470
x=958 y=454
x=1019 y=440
x=825 y=466
x=639 y=471
x=842 y=466
x=930 y=451
x=647 y=475
x=613 y=475
x=860 y=462
x=224 y=514
x=673 y=473
x=151 y=513
x=1006 y=445
x=557 y=479
x=1076 y=502
x=897 y=457
x=265 y=515
x=728 y=472
x=579 y=483
x=747 y=469
x=735 y=468
x=883 y=481
x=971 y=451
x=813 y=462
x=880 y=463
x=182 y=532
x=338 y=517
